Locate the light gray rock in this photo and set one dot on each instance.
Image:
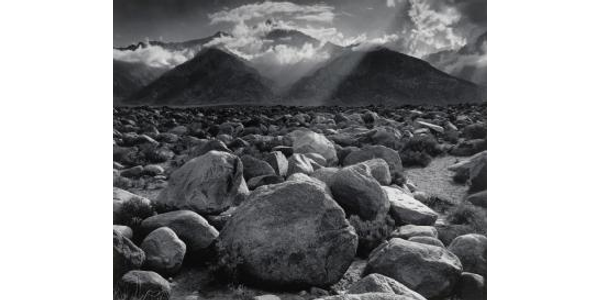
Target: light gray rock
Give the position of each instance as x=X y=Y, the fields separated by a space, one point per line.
x=164 y=251
x=380 y=170
x=208 y=184
x=407 y=210
x=291 y=233
x=278 y=162
x=189 y=226
x=307 y=141
x=472 y=251
x=377 y=283
x=408 y=231
x=391 y=157
x=427 y=240
x=299 y=163
x=145 y=285
x=125 y=231
x=428 y=270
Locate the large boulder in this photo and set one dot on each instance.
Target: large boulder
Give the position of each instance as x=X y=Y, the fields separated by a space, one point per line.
x=428 y=270
x=307 y=141
x=145 y=285
x=355 y=189
x=208 y=184
x=126 y=256
x=407 y=210
x=164 y=251
x=377 y=283
x=391 y=157
x=189 y=226
x=290 y=234
x=472 y=251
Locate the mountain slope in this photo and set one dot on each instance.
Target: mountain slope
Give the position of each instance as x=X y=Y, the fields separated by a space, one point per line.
x=128 y=77
x=212 y=77
x=382 y=76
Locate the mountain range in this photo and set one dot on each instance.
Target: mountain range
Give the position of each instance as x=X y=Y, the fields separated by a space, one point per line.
x=348 y=77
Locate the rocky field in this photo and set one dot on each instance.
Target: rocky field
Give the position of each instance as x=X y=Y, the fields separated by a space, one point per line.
x=248 y=202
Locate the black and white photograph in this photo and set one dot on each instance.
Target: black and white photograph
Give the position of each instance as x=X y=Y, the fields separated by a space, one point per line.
x=300 y=150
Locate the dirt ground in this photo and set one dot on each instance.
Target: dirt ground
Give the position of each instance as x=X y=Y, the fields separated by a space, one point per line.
x=436 y=179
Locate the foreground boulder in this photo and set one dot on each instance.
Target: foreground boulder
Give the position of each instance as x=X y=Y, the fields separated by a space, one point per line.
x=189 y=226
x=208 y=184
x=407 y=210
x=126 y=256
x=307 y=141
x=472 y=251
x=164 y=251
x=145 y=285
x=355 y=189
x=391 y=157
x=290 y=234
x=377 y=283
x=428 y=270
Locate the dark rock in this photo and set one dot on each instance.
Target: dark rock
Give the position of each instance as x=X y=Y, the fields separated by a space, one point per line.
x=126 y=256
x=478 y=199
x=255 y=167
x=257 y=181
x=164 y=251
x=471 y=287
x=290 y=234
x=278 y=162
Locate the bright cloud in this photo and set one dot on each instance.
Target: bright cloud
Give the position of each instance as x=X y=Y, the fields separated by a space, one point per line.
x=317 y=12
x=154 y=56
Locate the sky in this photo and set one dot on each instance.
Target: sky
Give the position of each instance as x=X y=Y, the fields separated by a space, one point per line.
x=419 y=28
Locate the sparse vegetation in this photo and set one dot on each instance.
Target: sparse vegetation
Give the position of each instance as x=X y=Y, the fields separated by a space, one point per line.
x=470 y=215
x=419 y=151
x=371 y=233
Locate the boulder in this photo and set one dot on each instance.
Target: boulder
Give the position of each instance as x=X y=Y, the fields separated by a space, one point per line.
x=278 y=162
x=125 y=231
x=164 y=251
x=299 y=163
x=380 y=170
x=471 y=287
x=126 y=256
x=145 y=285
x=325 y=175
x=189 y=226
x=428 y=270
x=208 y=184
x=290 y=234
x=318 y=158
x=307 y=141
x=377 y=283
x=254 y=167
x=472 y=251
x=355 y=189
x=407 y=210
x=478 y=199
x=123 y=201
x=427 y=240
x=408 y=231
x=391 y=157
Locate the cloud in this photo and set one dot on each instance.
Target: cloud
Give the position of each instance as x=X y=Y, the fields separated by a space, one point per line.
x=379 y=41
x=154 y=56
x=316 y=12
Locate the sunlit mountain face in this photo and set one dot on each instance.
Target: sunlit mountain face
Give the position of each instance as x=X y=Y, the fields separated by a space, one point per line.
x=286 y=41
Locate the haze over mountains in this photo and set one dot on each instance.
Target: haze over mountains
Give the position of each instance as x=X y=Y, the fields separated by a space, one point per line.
x=206 y=72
